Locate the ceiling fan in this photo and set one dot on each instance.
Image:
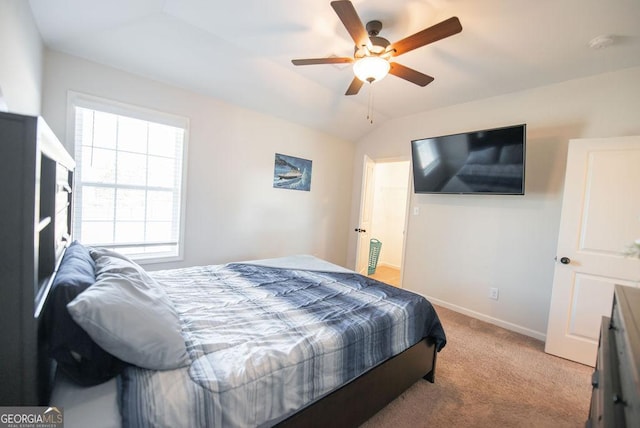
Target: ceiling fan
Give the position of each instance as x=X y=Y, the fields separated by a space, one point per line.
x=373 y=54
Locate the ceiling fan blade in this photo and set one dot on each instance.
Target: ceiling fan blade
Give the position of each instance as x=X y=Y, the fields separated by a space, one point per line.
x=354 y=87
x=351 y=21
x=329 y=60
x=410 y=74
x=444 y=29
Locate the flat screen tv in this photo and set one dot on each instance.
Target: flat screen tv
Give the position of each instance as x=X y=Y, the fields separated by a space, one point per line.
x=490 y=161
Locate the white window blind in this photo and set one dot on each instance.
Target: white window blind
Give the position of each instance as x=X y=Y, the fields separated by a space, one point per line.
x=129 y=179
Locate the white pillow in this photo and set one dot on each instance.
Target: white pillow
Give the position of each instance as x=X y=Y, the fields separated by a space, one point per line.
x=129 y=315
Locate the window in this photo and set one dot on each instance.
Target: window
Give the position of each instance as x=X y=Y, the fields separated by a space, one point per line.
x=129 y=178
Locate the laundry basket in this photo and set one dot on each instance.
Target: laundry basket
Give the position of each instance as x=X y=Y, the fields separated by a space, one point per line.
x=374 y=252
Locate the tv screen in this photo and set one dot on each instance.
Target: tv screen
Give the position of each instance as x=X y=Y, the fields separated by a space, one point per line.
x=490 y=161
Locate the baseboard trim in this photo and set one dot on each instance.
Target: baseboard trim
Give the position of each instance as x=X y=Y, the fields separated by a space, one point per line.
x=491 y=320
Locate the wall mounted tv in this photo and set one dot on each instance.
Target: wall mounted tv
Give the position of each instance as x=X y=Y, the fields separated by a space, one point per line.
x=490 y=161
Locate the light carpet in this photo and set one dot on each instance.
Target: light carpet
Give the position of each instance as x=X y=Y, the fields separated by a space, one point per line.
x=487 y=376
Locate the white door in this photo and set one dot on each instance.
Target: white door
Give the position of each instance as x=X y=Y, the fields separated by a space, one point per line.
x=600 y=220
x=366 y=209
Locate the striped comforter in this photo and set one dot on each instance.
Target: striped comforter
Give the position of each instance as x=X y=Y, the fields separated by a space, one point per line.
x=264 y=342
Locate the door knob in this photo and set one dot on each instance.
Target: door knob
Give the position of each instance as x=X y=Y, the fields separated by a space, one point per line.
x=565 y=260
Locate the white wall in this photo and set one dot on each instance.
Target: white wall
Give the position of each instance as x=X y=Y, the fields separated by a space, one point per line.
x=389 y=208
x=460 y=245
x=20 y=58
x=233 y=212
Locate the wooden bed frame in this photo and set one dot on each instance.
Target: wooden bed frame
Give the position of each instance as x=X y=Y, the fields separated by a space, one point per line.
x=350 y=405
x=363 y=397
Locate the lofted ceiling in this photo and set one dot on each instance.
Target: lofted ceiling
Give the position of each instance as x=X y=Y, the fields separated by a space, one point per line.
x=241 y=51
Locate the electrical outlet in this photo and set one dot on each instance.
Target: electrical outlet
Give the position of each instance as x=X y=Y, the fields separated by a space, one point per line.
x=493 y=293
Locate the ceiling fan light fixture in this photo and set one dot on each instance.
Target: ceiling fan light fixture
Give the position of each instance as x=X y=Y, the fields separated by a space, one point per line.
x=371 y=68
x=373 y=54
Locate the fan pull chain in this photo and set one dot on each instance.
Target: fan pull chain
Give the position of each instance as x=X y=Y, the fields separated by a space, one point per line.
x=370 y=105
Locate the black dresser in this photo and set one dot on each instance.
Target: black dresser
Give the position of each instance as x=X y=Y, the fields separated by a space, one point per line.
x=615 y=400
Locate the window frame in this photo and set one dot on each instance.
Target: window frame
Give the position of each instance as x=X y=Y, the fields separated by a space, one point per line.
x=77 y=99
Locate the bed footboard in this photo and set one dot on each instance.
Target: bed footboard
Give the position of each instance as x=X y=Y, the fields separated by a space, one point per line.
x=363 y=397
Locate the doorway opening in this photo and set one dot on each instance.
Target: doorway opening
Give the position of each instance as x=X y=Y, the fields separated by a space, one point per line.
x=383 y=216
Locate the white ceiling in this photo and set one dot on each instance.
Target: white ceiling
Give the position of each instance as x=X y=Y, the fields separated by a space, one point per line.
x=241 y=51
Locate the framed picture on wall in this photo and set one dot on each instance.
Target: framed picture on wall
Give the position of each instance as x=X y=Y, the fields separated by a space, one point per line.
x=292 y=173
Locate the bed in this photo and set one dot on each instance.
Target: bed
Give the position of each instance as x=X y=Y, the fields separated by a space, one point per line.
x=294 y=341
x=48 y=358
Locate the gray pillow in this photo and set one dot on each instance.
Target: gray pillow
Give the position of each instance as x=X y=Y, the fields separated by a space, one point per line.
x=129 y=315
